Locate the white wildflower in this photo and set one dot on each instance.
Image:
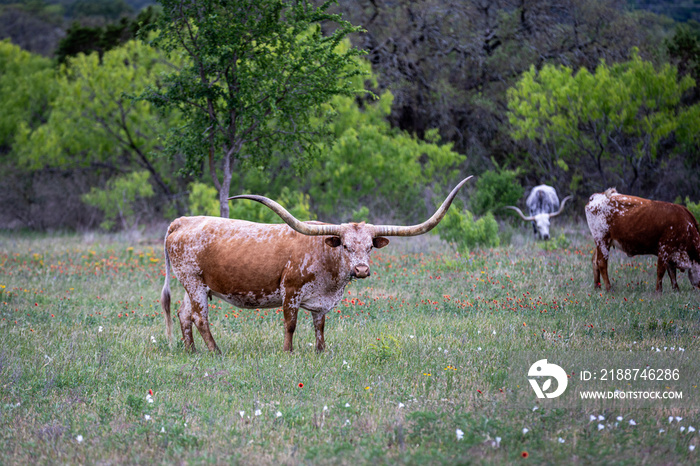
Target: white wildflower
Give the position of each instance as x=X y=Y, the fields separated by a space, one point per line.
x=79 y=439
x=632 y=423
x=561 y=440
x=460 y=434
x=525 y=430
x=601 y=427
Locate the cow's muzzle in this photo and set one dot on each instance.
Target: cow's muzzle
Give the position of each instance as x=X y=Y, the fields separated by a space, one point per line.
x=361 y=271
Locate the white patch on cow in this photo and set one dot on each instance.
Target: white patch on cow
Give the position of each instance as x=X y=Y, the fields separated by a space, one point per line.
x=598 y=211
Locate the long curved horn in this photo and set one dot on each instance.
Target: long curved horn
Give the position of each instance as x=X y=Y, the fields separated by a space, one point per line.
x=561 y=207
x=302 y=227
x=527 y=219
x=415 y=230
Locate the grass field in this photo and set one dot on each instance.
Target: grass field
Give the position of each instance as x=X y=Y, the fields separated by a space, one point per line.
x=415 y=353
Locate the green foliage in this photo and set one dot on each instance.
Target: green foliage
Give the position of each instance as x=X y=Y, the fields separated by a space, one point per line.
x=376 y=166
x=87 y=39
x=120 y=199
x=611 y=122
x=27 y=84
x=496 y=189
x=203 y=200
x=693 y=207
x=93 y=123
x=297 y=203
x=256 y=92
x=460 y=229
x=560 y=242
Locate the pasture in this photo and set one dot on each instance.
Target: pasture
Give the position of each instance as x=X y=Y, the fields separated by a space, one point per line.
x=414 y=353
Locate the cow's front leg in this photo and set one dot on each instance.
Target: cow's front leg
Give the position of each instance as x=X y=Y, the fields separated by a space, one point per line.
x=291 y=309
x=601 y=268
x=319 y=324
x=672 y=275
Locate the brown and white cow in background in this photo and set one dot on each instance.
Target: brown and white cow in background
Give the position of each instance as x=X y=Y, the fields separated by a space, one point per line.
x=641 y=226
x=253 y=265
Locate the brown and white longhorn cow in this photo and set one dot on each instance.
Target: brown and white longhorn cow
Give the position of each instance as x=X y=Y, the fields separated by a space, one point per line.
x=641 y=226
x=253 y=265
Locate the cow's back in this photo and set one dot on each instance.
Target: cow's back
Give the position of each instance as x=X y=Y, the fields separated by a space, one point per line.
x=231 y=254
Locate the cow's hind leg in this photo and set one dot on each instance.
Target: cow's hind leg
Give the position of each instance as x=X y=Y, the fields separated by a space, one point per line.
x=672 y=275
x=200 y=316
x=185 y=317
x=319 y=324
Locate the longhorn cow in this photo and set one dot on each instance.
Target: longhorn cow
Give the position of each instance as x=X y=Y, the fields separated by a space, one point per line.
x=543 y=205
x=253 y=265
x=641 y=226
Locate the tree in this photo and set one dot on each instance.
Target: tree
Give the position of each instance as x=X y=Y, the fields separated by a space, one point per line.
x=94 y=127
x=620 y=123
x=257 y=73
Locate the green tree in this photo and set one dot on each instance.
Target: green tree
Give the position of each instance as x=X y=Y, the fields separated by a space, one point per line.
x=93 y=125
x=26 y=87
x=620 y=124
x=257 y=73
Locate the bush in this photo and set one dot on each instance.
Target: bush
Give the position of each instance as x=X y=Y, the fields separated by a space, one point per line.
x=693 y=207
x=204 y=200
x=460 y=229
x=122 y=199
x=496 y=189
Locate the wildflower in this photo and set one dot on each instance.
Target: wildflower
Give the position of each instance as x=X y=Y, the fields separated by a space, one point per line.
x=691 y=429
x=347 y=422
x=661 y=431
x=347 y=405
x=258 y=412
x=601 y=427
x=561 y=440
x=147 y=417
x=593 y=418
x=498 y=442
x=401 y=405
x=150 y=392
x=524 y=454
x=691 y=447
x=99 y=329
x=460 y=434
x=632 y=423
x=525 y=430
x=242 y=413
x=682 y=428
x=79 y=439
x=162 y=430
x=278 y=414
x=619 y=418
x=601 y=417
x=301 y=385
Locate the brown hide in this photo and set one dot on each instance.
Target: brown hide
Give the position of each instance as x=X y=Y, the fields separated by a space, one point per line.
x=252 y=265
x=642 y=226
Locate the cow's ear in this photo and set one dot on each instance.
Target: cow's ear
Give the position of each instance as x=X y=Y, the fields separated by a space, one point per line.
x=333 y=241
x=379 y=242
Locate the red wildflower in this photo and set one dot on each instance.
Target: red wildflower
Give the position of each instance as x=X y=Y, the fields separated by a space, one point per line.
x=524 y=454
x=301 y=385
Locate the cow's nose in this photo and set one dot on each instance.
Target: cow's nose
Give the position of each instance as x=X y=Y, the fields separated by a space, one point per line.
x=361 y=271
x=546 y=237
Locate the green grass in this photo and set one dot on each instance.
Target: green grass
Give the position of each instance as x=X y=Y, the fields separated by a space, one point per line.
x=412 y=356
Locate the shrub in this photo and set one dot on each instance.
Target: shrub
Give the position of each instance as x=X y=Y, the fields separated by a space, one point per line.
x=460 y=229
x=122 y=199
x=204 y=200
x=693 y=207
x=496 y=189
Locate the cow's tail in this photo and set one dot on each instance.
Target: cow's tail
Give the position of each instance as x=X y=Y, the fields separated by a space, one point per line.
x=165 y=296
